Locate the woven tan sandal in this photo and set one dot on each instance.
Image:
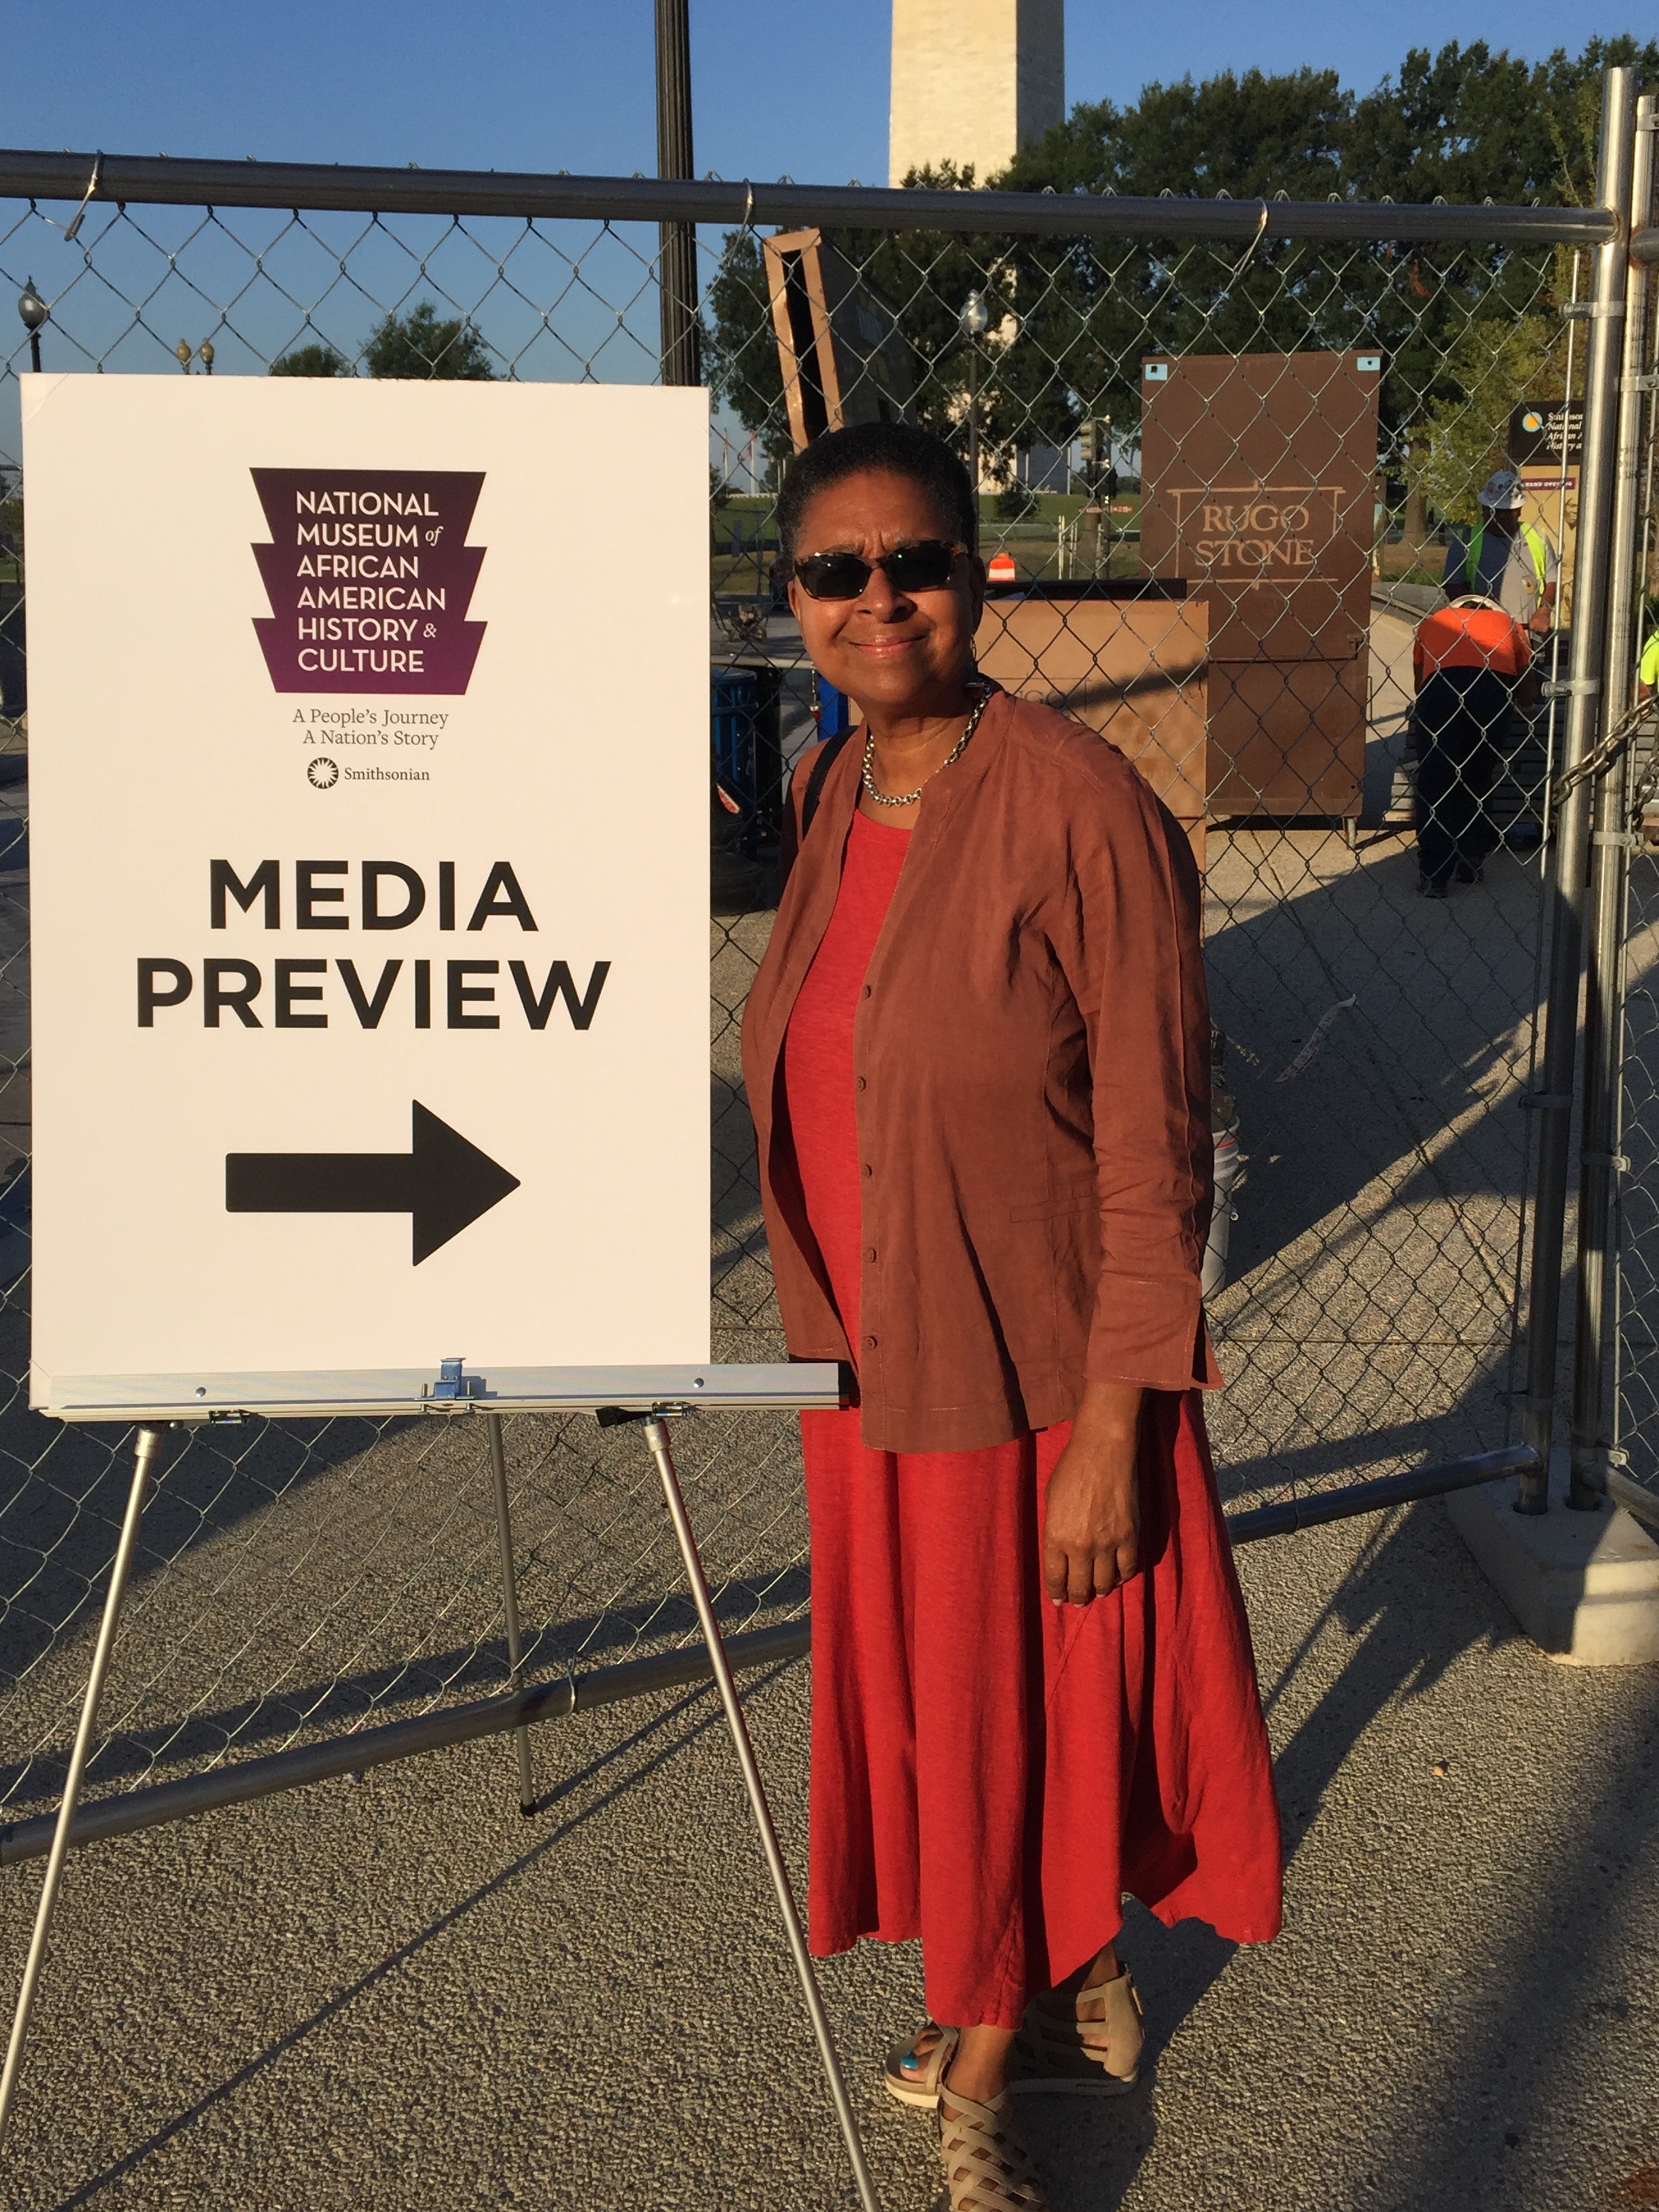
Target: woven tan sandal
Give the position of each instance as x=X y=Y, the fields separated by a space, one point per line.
x=1055 y=2051
x=913 y=2076
x=987 y=2167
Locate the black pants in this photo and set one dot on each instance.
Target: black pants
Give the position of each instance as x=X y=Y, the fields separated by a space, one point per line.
x=1464 y=722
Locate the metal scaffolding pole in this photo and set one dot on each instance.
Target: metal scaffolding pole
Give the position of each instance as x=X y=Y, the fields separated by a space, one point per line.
x=114 y=179
x=1609 y=871
x=677 y=260
x=1603 y=358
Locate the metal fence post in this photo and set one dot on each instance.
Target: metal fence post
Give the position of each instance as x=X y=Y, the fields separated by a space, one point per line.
x=1603 y=358
x=1609 y=872
x=677 y=257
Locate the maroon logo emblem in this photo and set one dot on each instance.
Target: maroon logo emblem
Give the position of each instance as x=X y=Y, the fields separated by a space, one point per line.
x=370 y=577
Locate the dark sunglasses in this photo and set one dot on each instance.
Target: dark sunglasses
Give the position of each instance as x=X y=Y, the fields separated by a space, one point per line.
x=926 y=566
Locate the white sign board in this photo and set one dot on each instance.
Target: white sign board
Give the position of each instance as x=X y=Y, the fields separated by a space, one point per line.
x=369 y=748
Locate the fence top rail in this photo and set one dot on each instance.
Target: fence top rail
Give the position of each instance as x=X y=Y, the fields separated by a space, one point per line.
x=160 y=180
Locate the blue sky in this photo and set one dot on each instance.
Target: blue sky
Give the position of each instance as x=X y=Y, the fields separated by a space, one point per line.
x=794 y=85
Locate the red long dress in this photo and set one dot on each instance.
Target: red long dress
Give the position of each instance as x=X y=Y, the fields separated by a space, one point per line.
x=991 y=1771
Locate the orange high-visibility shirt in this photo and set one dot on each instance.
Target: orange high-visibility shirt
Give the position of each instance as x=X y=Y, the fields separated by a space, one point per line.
x=1471 y=637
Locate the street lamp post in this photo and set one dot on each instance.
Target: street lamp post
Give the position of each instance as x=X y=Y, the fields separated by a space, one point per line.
x=206 y=351
x=35 y=311
x=973 y=321
x=182 y=354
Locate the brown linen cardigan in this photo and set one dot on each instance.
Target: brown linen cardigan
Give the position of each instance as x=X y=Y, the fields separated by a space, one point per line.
x=1031 y=1056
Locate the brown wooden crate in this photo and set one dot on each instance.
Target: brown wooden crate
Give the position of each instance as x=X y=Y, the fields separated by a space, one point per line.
x=1135 y=670
x=1287 y=738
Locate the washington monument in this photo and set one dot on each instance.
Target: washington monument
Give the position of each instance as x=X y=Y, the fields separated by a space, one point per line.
x=973 y=80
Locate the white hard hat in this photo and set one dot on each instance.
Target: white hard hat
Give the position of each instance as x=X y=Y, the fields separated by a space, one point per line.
x=1501 y=489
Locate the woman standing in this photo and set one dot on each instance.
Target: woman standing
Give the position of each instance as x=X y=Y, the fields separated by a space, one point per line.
x=976 y=1054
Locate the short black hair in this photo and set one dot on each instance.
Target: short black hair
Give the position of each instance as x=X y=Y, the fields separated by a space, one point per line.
x=896 y=449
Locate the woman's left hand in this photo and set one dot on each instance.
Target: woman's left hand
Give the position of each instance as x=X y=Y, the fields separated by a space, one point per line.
x=1092 y=1519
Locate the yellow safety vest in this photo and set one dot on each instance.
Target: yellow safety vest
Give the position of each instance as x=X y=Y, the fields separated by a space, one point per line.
x=1531 y=537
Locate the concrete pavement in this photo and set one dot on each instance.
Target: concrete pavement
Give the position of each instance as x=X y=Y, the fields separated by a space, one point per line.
x=400 y=1994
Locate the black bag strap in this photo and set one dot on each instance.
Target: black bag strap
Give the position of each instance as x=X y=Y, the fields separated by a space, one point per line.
x=828 y=753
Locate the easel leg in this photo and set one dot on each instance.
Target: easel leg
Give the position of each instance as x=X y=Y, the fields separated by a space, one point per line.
x=656 y=1431
x=510 y=1603
x=150 y=1442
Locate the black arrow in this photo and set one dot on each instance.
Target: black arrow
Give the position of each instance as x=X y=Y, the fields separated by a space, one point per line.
x=442 y=1181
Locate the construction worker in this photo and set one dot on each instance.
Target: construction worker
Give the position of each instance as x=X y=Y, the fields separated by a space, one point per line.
x=1472 y=661
x=1505 y=559
x=1647 y=682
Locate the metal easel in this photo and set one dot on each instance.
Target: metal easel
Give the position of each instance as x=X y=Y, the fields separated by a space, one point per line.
x=465 y=1392
x=656 y=1435
x=150 y=1443
x=510 y=1605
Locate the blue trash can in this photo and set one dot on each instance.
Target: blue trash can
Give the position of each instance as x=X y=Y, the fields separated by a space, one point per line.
x=734 y=710
x=835 y=709
x=745 y=721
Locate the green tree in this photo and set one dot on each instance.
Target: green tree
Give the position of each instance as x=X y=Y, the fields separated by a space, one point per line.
x=311 y=360
x=1247 y=137
x=919 y=280
x=1071 y=319
x=1495 y=365
x=739 y=351
x=1467 y=125
x=418 y=344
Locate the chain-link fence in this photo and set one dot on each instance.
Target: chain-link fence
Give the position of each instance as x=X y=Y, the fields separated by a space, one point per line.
x=1221 y=567
x=1616 y=1394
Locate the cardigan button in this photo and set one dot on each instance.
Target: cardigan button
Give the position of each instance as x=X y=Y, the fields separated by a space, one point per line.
x=866 y=1171
x=870 y=1342
x=858 y=1083
x=869 y=1251
x=865 y=992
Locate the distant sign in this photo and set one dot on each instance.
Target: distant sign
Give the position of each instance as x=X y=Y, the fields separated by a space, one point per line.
x=369 y=889
x=1546 y=430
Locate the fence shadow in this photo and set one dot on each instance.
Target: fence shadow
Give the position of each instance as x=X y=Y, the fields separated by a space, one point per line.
x=333 y=1705
x=688 y=1724
x=64 y=1489
x=1473 y=2126
x=1415 y=1077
